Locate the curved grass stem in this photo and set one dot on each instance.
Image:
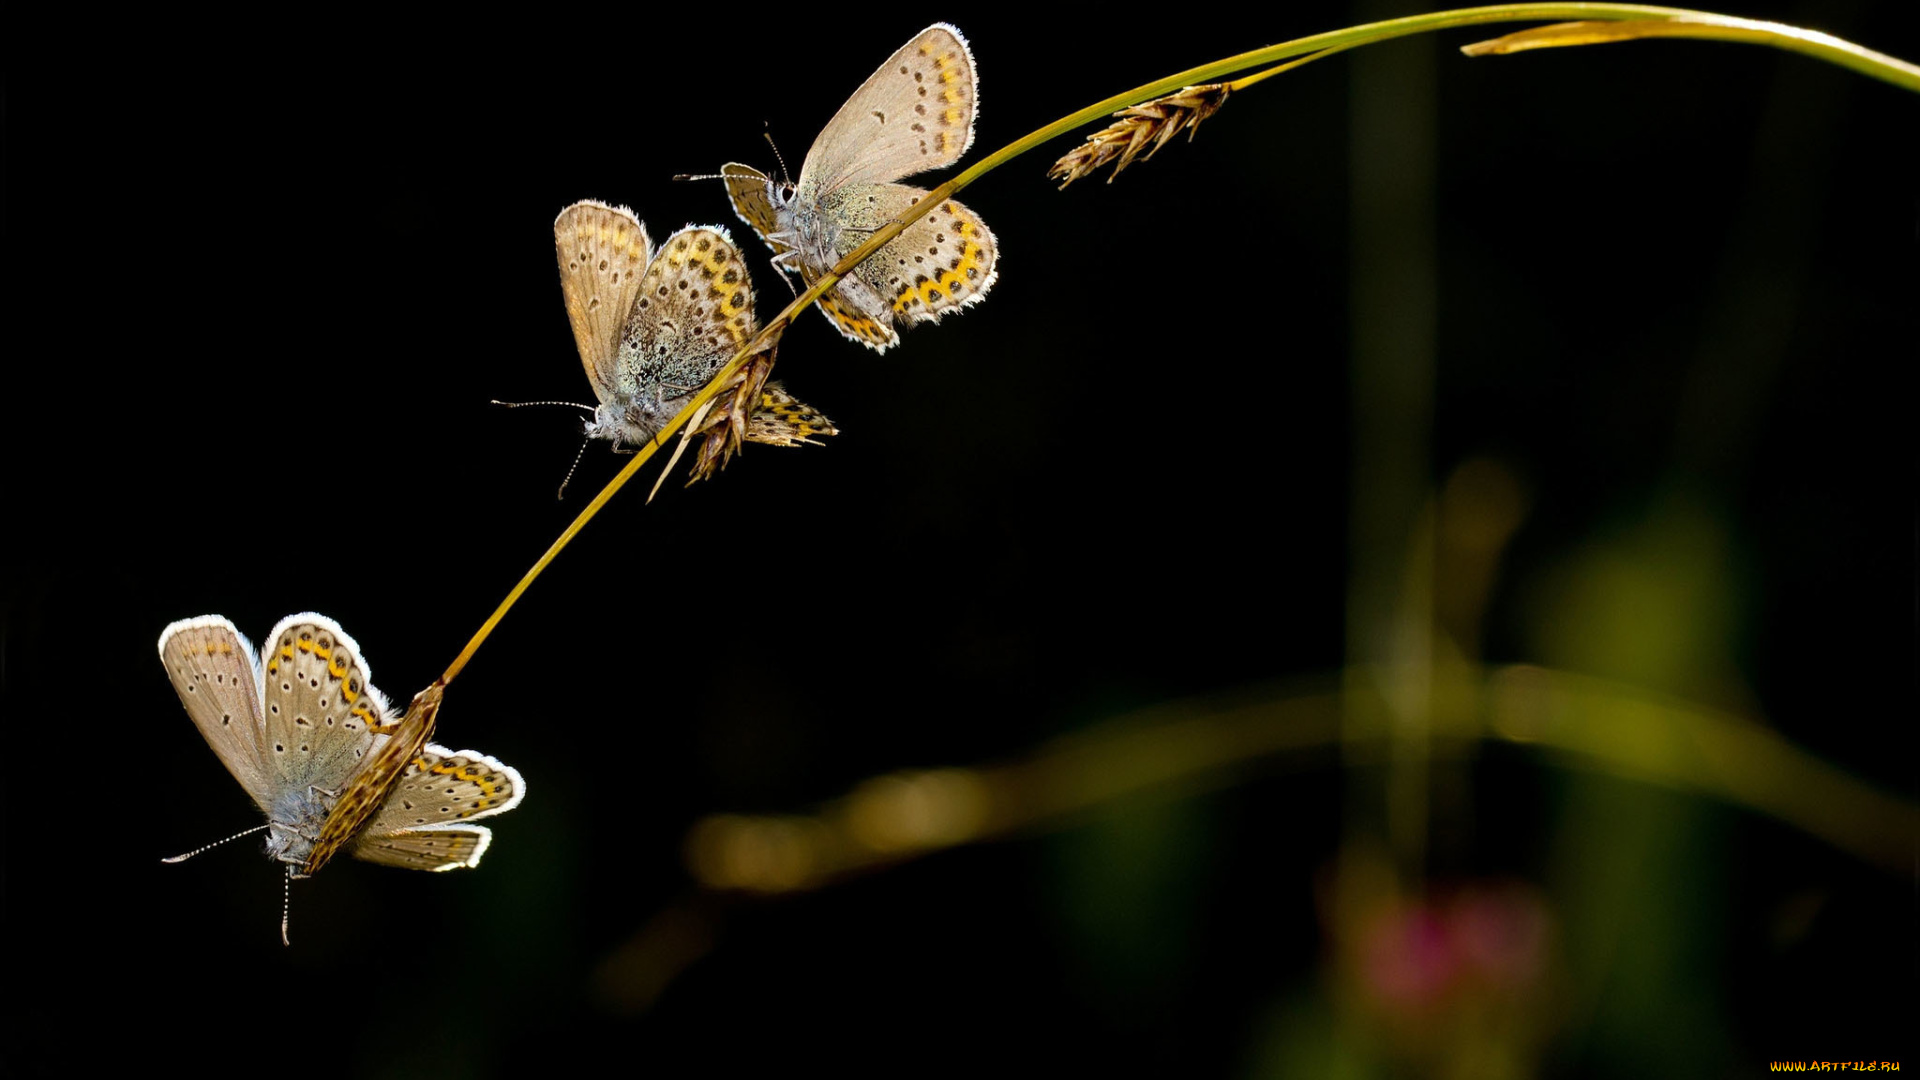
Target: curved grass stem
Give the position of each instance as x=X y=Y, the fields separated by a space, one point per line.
x=1635 y=20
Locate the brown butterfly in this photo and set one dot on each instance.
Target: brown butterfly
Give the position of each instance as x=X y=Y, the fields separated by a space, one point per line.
x=303 y=730
x=915 y=113
x=654 y=325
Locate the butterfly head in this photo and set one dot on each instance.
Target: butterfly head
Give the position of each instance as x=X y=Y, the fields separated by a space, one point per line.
x=625 y=420
x=606 y=422
x=783 y=198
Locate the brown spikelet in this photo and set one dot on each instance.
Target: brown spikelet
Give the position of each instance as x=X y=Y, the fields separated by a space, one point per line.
x=724 y=429
x=1141 y=130
x=749 y=409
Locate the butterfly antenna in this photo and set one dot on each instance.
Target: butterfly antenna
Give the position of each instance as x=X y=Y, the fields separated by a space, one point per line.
x=215 y=844
x=286 y=904
x=524 y=404
x=562 y=493
x=785 y=176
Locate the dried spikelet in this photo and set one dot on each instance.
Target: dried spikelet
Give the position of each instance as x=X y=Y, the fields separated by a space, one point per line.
x=1141 y=129
x=750 y=409
x=724 y=429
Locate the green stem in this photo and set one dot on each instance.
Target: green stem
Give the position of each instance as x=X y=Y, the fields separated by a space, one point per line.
x=1200 y=744
x=1700 y=24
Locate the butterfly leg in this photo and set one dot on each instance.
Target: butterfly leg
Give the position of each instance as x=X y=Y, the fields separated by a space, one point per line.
x=634 y=417
x=652 y=440
x=288 y=844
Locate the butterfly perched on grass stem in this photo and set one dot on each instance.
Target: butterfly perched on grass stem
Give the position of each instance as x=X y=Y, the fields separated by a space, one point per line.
x=915 y=113
x=654 y=325
x=303 y=730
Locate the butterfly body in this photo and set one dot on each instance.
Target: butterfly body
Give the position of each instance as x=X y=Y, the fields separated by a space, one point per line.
x=318 y=750
x=293 y=827
x=913 y=114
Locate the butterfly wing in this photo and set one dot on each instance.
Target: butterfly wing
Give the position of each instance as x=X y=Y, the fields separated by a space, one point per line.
x=913 y=114
x=443 y=847
x=322 y=715
x=942 y=262
x=858 y=312
x=693 y=312
x=751 y=192
x=213 y=670
x=366 y=793
x=423 y=824
x=783 y=420
x=603 y=251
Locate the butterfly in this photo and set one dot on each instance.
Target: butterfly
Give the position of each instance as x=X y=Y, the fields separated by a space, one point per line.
x=915 y=113
x=322 y=754
x=653 y=326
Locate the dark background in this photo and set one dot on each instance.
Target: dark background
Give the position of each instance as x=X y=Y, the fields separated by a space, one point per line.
x=266 y=280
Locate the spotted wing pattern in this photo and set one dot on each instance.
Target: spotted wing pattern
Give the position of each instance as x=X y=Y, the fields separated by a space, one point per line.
x=751 y=192
x=424 y=823
x=783 y=420
x=322 y=714
x=914 y=113
x=603 y=251
x=448 y=847
x=693 y=312
x=940 y=263
x=213 y=669
x=847 y=308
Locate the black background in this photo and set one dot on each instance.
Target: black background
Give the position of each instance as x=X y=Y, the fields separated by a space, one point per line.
x=268 y=278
